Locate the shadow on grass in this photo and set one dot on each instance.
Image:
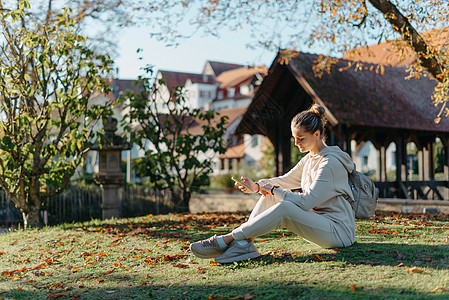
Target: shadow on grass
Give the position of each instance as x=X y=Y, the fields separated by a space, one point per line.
x=179 y=226
x=372 y=254
x=301 y=289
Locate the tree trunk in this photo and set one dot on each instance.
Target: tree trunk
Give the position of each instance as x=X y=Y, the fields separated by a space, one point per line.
x=181 y=200
x=401 y=25
x=31 y=218
x=31 y=212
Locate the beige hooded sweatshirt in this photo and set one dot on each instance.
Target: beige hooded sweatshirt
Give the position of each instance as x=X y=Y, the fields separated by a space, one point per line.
x=323 y=178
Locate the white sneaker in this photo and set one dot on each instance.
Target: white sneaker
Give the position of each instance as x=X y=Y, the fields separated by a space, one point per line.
x=206 y=248
x=238 y=251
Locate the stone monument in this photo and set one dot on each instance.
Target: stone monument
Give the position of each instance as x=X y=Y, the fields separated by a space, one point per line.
x=110 y=175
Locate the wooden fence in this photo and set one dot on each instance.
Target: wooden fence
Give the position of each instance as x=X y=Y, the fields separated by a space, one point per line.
x=83 y=203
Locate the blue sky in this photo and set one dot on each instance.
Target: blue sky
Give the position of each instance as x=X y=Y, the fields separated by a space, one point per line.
x=189 y=56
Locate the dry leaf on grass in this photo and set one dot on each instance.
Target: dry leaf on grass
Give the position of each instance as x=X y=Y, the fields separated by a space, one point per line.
x=438 y=288
x=415 y=270
x=318 y=257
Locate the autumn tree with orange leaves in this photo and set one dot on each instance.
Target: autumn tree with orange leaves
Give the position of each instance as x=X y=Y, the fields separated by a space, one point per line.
x=339 y=26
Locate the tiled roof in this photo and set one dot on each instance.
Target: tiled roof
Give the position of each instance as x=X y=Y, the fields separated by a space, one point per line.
x=231 y=113
x=175 y=79
x=236 y=76
x=119 y=86
x=370 y=99
x=237 y=151
x=220 y=67
x=384 y=53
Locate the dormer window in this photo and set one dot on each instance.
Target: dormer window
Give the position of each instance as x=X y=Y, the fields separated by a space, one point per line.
x=220 y=95
x=231 y=92
x=244 y=90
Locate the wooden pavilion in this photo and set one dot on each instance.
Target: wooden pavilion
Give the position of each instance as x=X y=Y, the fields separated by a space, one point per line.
x=361 y=105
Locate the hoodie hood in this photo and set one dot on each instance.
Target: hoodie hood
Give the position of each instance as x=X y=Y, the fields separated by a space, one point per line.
x=342 y=156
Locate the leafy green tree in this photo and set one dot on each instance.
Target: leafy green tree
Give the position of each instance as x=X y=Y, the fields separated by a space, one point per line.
x=176 y=158
x=439 y=157
x=47 y=75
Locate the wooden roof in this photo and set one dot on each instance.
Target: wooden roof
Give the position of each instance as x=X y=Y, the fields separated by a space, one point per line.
x=354 y=98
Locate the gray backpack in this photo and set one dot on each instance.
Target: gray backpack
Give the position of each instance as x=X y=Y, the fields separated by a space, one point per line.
x=365 y=195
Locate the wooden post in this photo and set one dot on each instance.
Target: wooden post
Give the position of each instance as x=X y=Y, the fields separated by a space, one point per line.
x=286 y=153
x=445 y=141
x=431 y=158
x=401 y=166
x=382 y=164
x=426 y=161
x=421 y=163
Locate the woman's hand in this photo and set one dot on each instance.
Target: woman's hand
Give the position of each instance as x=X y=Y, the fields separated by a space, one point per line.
x=266 y=189
x=251 y=184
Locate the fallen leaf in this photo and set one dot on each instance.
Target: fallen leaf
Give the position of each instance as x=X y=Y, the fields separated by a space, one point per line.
x=415 y=270
x=438 y=288
x=264 y=240
x=99 y=281
x=213 y=263
x=318 y=257
x=179 y=265
x=108 y=272
x=354 y=287
x=145 y=283
x=400 y=265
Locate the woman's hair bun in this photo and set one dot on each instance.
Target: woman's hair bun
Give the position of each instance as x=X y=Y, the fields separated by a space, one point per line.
x=317 y=110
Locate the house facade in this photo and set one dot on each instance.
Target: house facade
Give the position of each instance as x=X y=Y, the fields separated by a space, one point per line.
x=225 y=88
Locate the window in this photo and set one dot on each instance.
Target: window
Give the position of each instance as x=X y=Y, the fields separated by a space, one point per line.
x=244 y=90
x=254 y=141
x=221 y=164
x=230 y=164
x=365 y=161
x=220 y=95
x=231 y=92
x=202 y=94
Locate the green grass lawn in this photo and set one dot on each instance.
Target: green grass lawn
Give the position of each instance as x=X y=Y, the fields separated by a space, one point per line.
x=395 y=257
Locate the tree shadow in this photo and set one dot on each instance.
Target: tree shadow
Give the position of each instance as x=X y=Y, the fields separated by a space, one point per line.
x=178 y=227
x=181 y=289
x=372 y=254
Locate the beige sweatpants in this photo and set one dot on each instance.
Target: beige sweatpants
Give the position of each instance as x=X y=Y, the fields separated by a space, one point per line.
x=268 y=215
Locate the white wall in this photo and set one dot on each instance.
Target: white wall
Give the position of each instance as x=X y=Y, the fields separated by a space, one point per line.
x=367 y=160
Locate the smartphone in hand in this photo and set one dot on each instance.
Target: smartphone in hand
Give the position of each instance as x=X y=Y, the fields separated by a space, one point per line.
x=242 y=183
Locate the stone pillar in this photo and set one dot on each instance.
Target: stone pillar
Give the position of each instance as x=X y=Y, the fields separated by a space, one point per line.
x=110 y=175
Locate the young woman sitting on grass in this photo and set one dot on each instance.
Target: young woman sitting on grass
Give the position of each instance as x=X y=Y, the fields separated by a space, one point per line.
x=320 y=213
